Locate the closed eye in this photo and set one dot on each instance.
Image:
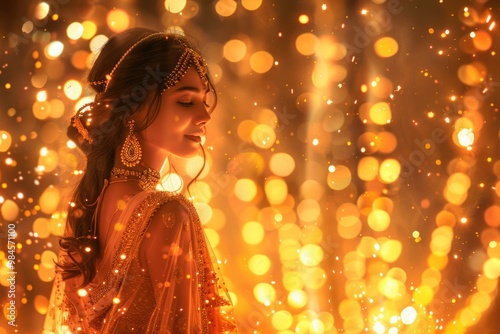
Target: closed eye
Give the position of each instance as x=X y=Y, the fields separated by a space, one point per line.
x=186 y=104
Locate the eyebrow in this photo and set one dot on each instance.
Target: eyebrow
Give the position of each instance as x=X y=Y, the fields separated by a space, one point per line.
x=188 y=88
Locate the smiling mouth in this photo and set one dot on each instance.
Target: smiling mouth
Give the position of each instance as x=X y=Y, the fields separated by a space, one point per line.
x=196 y=139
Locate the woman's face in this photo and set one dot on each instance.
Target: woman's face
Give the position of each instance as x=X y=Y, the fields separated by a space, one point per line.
x=181 y=121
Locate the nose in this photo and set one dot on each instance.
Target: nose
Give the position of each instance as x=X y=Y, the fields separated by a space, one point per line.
x=203 y=117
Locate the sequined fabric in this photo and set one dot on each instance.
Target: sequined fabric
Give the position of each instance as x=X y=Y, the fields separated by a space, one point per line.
x=191 y=297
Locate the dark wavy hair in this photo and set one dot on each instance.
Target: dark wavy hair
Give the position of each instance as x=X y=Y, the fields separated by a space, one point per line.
x=133 y=93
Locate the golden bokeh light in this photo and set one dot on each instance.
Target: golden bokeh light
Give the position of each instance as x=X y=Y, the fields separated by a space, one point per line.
x=251 y=4
x=282 y=164
x=276 y=191
x=49 y=200
x=482 y=40
x=173 y=182
x=380 y=113
x=118 y=19
x=339 y=178
x=368 y=168
x=175 y=6
x=308 y=210
x=472 y=74
x=253 y=233
x=297 y=298
x=306 y=44
x=5 y=141
x=264 y=293
x=89 y=29
x=261 y=61
x=73 y=89
x=97 y=42
x=263 y=136
x=54 y=49
x=9 y=210
x=75 y=30
x=303 y=19
x=349 y=227
x=390 y=250
x=379 y=220
x=245 y=190
x=234 y=50
x=282 y=320
x=225 y=8
x=259 y=264
x=386 y=47
x=390 y=170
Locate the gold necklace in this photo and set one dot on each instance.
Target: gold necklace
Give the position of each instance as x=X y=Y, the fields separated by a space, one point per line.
x=148 y=178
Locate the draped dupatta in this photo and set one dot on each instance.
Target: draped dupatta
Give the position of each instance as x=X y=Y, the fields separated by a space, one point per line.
x=191 y=297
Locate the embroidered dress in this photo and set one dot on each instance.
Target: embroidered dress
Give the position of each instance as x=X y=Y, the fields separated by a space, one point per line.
x=191 y=297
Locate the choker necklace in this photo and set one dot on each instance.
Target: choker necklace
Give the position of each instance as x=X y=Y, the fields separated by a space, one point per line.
x=148 y=178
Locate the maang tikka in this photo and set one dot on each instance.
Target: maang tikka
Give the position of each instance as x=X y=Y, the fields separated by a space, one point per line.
x=131 y=152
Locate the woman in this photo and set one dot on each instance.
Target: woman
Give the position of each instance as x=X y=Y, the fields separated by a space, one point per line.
x=134 y=259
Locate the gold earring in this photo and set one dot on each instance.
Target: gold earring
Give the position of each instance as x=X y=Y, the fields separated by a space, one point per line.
x=131 y=152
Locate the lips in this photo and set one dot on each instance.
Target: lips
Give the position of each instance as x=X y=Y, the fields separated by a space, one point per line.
x=196 y=139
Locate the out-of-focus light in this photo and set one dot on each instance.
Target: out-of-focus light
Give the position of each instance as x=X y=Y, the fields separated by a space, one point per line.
x=75 y=30
x=234 y=50
x=44 y=151
x=465 y=137
x=73 y=89
x=41 y=96
x=225 y=8
x=118 y=20
x=42 y=10
x=303 y=19
x=408 y=315
x=251 y=4
x=97 y=42
x=175 y=6
x=82 y=292
x=172 y=183
x=71 y=144
x=5 y=141
x=54 y=49
x=89 y=29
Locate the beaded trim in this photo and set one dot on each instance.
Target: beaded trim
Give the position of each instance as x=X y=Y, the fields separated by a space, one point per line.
x=110 y=75
x=77 y=123
x=148 y=178
x=188 y=57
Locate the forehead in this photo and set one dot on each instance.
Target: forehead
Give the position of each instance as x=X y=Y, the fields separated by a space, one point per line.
x=190 y=81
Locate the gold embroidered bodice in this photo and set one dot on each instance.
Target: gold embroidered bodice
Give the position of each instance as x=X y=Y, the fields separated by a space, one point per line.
x=189 y=295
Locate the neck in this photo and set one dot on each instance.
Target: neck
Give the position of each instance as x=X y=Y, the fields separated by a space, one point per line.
x=146 y=177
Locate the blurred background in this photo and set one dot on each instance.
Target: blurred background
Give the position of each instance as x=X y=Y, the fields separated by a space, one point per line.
x=352 y=181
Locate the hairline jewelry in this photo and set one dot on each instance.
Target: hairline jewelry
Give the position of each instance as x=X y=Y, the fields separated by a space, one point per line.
x=188 y=57
x=77 y=123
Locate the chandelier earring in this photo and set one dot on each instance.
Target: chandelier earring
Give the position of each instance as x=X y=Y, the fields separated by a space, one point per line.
x=131 y=152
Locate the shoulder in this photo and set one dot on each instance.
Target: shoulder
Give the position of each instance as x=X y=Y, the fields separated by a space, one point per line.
x=171 y=222
x=170 y=209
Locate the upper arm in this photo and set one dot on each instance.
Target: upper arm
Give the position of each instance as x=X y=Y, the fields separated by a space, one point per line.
x=166 y=247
